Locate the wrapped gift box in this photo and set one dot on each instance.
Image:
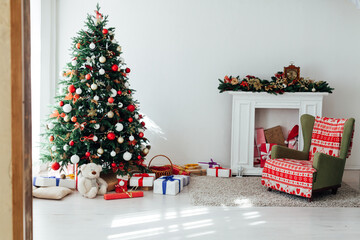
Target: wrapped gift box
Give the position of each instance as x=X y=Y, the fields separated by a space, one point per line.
x=112 y=196
x=110 y=179
x=210 y=164
x=167 y=185
x=185 y=178
x=53 y=181
x=219 y=172
x=265 y=152
x=142 y=180
x=182 y=181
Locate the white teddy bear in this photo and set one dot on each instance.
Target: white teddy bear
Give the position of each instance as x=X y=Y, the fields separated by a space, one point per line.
x=90 y=184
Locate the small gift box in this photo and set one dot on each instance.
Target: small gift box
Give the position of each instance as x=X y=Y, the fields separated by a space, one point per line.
x=112 y=196
x=179 y=170
x=167 y=185
x=265 y=152
x=142 y=180
x=53 y=181
x=185 y=178
x=192 y=166
x=210 y=164
x=219 y=172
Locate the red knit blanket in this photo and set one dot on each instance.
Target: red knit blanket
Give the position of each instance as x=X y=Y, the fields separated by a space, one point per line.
x=326 y=137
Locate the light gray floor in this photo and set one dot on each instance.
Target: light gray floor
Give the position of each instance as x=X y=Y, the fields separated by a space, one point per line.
x=173 y=217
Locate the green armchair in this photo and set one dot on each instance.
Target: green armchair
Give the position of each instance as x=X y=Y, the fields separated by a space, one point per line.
x=329 y=169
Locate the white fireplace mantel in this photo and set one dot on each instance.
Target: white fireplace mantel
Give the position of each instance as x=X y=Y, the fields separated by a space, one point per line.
x=243 y=121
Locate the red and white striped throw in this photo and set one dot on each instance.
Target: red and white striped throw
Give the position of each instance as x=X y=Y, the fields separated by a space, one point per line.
x=326 y=137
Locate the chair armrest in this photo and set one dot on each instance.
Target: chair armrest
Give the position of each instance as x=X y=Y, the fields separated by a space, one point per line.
x=329 y=170
x=278 y=151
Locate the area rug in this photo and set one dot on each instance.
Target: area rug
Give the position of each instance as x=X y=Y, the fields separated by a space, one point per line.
x=248 y=192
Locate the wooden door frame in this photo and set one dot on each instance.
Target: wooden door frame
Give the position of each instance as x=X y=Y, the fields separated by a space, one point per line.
x=21 y=149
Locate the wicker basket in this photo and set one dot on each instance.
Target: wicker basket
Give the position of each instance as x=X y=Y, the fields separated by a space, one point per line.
x=166 y=170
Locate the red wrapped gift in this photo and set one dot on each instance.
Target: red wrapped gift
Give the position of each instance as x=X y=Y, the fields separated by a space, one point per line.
x=111 y=196
x=265 y=152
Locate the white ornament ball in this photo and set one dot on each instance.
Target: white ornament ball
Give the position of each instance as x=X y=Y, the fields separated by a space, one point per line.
x=94 y=86
x=131 y=138
x=100 y=151
x=113 y=92
x=102 y=59
x=101 y=71
x=314 y=90
x=74 y=159
x=51 y=125
x=127 y=156
x=53 y=148
x=122 y=183
x=67 y=108
x=96 y=98
x=78 y=91
x=127 y=85
x=121 y=60
x=66 y=118
x=95 y=138
x=146 y=151
x=119 y=127
x=114 y=41
x=73 y=62
x=120 y=140
x=120 y=104
x=113 y=153
x=66 y=147
x=110 y=114
x=136 y=116
x=97 y=126
x=92 y=46
x=118 y=48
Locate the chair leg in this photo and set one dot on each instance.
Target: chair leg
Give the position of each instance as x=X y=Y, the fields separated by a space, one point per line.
x=334 y=190
x=269 y=189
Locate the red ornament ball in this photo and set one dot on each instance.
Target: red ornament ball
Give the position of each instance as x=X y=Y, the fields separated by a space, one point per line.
x=141 y=134
x=113 y=165
x=55 y=166
x=127 y=70
x=131 y=108
x=72 y=88
x=114 y=67
x=139 y=157
x=87 y=76
x=143 y=124
x=111 y=136
x=119 y=92
x=73 y=119
x=110 y=100
x=105 y=31
x=61 y=103
x=51 y=138
x=71 y=143
x=78 y=45
x=129 y=91
x=130 y=119
x=87 y=154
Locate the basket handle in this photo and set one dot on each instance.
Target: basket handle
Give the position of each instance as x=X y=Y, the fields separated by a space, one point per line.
x=164 y=157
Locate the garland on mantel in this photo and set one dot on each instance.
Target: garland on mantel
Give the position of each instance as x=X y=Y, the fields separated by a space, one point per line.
x=278 y=85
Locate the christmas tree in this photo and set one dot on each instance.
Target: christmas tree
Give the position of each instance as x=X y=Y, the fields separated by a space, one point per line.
x=96 y=119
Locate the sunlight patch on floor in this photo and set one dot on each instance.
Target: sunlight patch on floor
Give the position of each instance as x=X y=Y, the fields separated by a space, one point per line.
x=139 y=234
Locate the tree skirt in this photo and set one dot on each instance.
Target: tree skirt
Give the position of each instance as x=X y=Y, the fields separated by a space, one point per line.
x=248 y=192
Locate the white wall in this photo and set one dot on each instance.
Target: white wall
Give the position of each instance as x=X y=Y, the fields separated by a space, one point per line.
x=178 y=49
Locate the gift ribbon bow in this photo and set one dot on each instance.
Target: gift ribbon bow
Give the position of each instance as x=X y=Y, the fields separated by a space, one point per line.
x=88 y=138
x=70 y=96
x=57 y=114
x=217 y=170
x=266 y=155
x=78 y=125
x=211 y=163
x=90 y=60
x=166 y=179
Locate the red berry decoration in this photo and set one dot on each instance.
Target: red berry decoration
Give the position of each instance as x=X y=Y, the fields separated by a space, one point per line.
x=105 y=31
x=55 y=166
x=113 y=165
x=127 y=70
x=119 y=92
x=131 y=108
x=87 y=154
x=114 y=67
x=71 y=143
x=87 y=76
x=130 y=119
x=141 y=134
x=143 y=124
x=61 y=103
x=51 y=138
x=111 y=136
x=129 y=91
x=72 y=88
x=110 y=100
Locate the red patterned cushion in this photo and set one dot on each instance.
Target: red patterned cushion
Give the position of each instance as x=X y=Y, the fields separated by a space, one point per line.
x=289 y=175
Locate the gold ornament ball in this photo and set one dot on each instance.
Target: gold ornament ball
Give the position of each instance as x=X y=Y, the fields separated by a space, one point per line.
x=120 y=140
x=66 y=118
x=94 y=86
x=100 y=151
x=110 y=114
x=102 y=59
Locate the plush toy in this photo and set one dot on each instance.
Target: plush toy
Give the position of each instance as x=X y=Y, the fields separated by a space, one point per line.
x=90 y=184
